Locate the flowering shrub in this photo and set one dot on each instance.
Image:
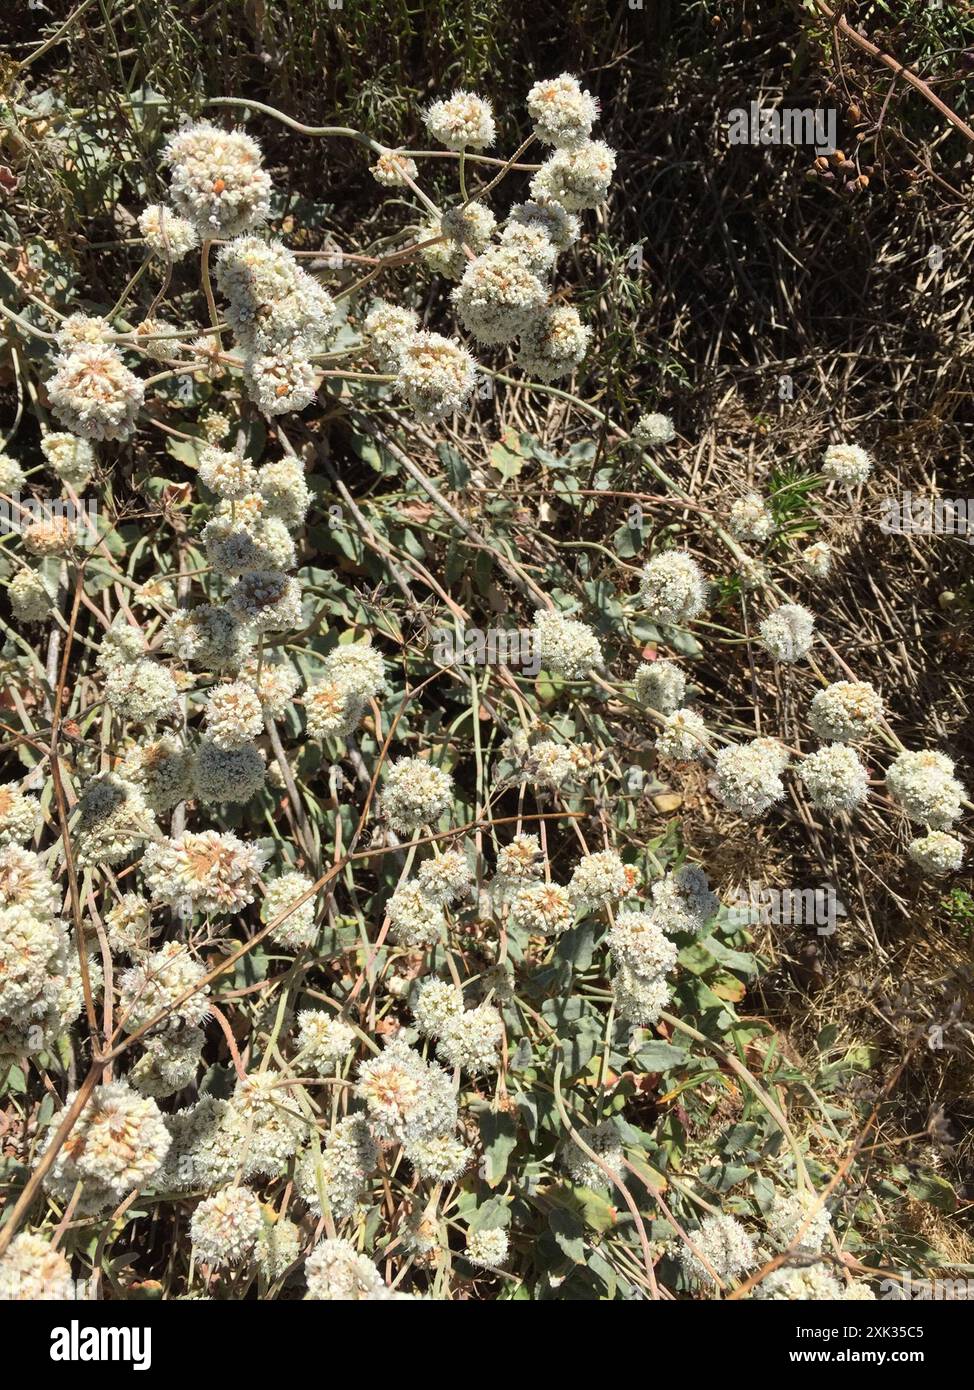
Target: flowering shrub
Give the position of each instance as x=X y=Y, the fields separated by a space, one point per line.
x=374 y=977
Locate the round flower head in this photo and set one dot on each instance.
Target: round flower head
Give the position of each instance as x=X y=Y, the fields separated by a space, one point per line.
x=639 y=999
x=114 y=821
x=683 y=738
x=637 y=940
x=335 y=1271
x=577 y=178
x=463 y=121
x=561 y=227
x=548 y=765
x=128 y=925
x=562 y=111
x=281 y=382
x=209 y=637
x=788 y=633
x=554 y=344
x=598 y=879
x=725 y=1247
x=33 y=1271
x=324 y=1041
x=566 y=647
x=71 y=458
x=415 y=921
x=446 y=879
x=163 y=770
x=747 y=777
x=25 y=881
x=436 y=375
x=30 y=601
x=213 y=872
x=226 y=473
x=143 y=693
x=793 y=1211
x=340 y=1176
x=471 y=225
x=817 y=559
x=437 y=1005
x=488 y=1248
x=471 y=1040
x=407 y=1098
x=498 y=297
x=32 y=953
x=19 y=815
x=166 y=233
x=11 y=473
x=169 y=1063
x=683 y=902
x=358 y=667
x=284 y=490
x=94 y=394
x=653 y=429
x=50 y=536
x=441 y=1158
x=542 y=908
x=243 y=546
x=268 y=600
x=233 y=715
x=835 y=778
x=392 y=169
x=660 y=685
x=218 y=183
x=937 y=854
x=215 y=426
x=672 y=588
x=603 y=1139
x=925 y=786
x=520 y=861
x=300 y=928
x=276 y=685
x=331 y=709
x=809 y=1283
x=118 y=1143
x=847 y=464
x=386 y=330
x=157 y=981
x=266 y=1123
x=415 y=794
x=532 y=244
x=229 y=774
x=845 y=711
x=750 y=519
x=225 y=1227
x=81 y=330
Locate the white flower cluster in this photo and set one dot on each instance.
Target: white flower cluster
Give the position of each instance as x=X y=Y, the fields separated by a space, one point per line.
x=845 y=711
x=33 y=1271
x=788 y=633
x=747 y=776
x=94 y=394
x=566 y=647
x=219 y=183
x=415 y=794
x=724 y=1245
x=847 y=464
x=925 y=786
x=118 y=1143
x=750 y=520
x=672 y=588
x=835 y=778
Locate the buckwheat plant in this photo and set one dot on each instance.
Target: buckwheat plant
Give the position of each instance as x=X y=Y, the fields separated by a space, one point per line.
x=329 y=970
